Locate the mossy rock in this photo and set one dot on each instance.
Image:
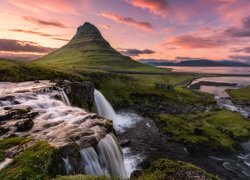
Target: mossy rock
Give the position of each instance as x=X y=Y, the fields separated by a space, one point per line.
x=169 y=170
x=24 y=125
x=240 y=96
x=37 y=162
x=83 y=177
x=220 y=130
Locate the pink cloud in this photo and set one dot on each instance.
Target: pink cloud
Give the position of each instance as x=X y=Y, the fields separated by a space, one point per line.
x=127 y=20
x=44 y=22
x=56 y=6
x=189 y=41
x=158 y=7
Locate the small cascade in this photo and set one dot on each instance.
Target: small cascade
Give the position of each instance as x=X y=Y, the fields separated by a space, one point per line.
x=104 y=108
x=67 y=165
x=108 y=160
x=91 y=162
x=65 y=98
x=111 y=155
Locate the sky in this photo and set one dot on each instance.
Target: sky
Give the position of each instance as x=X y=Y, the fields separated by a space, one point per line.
x=143 y=29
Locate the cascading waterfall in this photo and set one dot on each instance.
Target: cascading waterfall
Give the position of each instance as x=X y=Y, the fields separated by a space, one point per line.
x=104 y=108
x=91 y=164
x=111 y=155
x=108 y=160
x=57 y=121
x=67 y=165
x=64 y=96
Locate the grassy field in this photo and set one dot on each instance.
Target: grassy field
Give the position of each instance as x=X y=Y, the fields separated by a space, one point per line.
x=241 y=95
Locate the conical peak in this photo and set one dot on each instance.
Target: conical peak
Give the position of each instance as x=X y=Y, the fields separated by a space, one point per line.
x=88 y=33
x=87 y=28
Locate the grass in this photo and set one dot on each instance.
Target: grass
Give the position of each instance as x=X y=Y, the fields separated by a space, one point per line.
x=34 y=163
x=169 y=169
x=6 y=143
x=241 y=95
x=9 y=142
x=216 y=130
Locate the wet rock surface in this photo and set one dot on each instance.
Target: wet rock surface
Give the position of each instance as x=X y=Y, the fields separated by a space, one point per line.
x=32 y=109
x=80 y=94
x=148 y=141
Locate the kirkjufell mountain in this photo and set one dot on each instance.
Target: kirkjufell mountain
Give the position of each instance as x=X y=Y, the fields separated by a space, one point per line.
x=88 y=49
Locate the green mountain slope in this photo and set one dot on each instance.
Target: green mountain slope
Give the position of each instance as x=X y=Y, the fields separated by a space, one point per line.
x=88 y=50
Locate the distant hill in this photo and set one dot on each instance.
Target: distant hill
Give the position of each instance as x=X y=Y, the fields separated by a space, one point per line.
x=198 y=63
x=89 y=50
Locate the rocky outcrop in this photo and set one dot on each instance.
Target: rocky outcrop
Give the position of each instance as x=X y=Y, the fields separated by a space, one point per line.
x=153 y=104
x=80 y=94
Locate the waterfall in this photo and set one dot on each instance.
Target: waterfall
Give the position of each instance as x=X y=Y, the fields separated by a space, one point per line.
x=91 y=162
x=64 y=96
x=67 y=165
x=58 y=123
x=104 y=108
x=108 y=160
x=111 y=155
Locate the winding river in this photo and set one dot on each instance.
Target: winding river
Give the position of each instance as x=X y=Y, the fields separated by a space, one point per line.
x=236 y=163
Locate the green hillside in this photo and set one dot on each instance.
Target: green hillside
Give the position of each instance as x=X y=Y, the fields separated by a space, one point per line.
x=88 y=50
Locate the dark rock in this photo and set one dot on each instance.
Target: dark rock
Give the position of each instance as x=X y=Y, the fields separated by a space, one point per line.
x=3 y=130
x=36 y=81
x=198 y=130
x=24 y=125
x=80 y=94
x=136 y=174
x=125 y=142
x=19 y=113
x=164 y=86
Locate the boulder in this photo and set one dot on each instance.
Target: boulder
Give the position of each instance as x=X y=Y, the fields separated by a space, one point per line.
x=80 y=94
x=24 y=125
x=125 y=142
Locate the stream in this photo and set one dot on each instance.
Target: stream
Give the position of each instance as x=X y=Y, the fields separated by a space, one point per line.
x=236 y=163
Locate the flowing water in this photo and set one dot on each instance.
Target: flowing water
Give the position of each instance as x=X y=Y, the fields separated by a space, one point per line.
x=59 y=123
x=108 y=160
x=121 y=122
x=237 y=163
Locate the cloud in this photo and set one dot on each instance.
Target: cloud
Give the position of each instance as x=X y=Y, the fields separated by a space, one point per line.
x=136 y=52
x=60 y=39
x=105 y=26
x=31 y=32
x=245 y=50
x=43 y=22
x=11 y=45
x=240 y=57
x=39 y=34
x=189 y=41
x=19 y=56
x=55 y=6
x=181 y=58
x=158 y=7
x=127 y=20
x=243 y=31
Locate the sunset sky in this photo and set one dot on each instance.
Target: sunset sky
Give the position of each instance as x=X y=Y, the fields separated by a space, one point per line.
x=143 y=29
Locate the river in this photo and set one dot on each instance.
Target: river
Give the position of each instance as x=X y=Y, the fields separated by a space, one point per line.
x=210 y=70
x=236 y=163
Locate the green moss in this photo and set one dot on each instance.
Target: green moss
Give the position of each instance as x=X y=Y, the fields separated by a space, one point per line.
x=169 y=169
x=2 y=156
x=82 y=177
x=217 y=130
x=13 y=141
x=34 y=163
x=241 y=95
